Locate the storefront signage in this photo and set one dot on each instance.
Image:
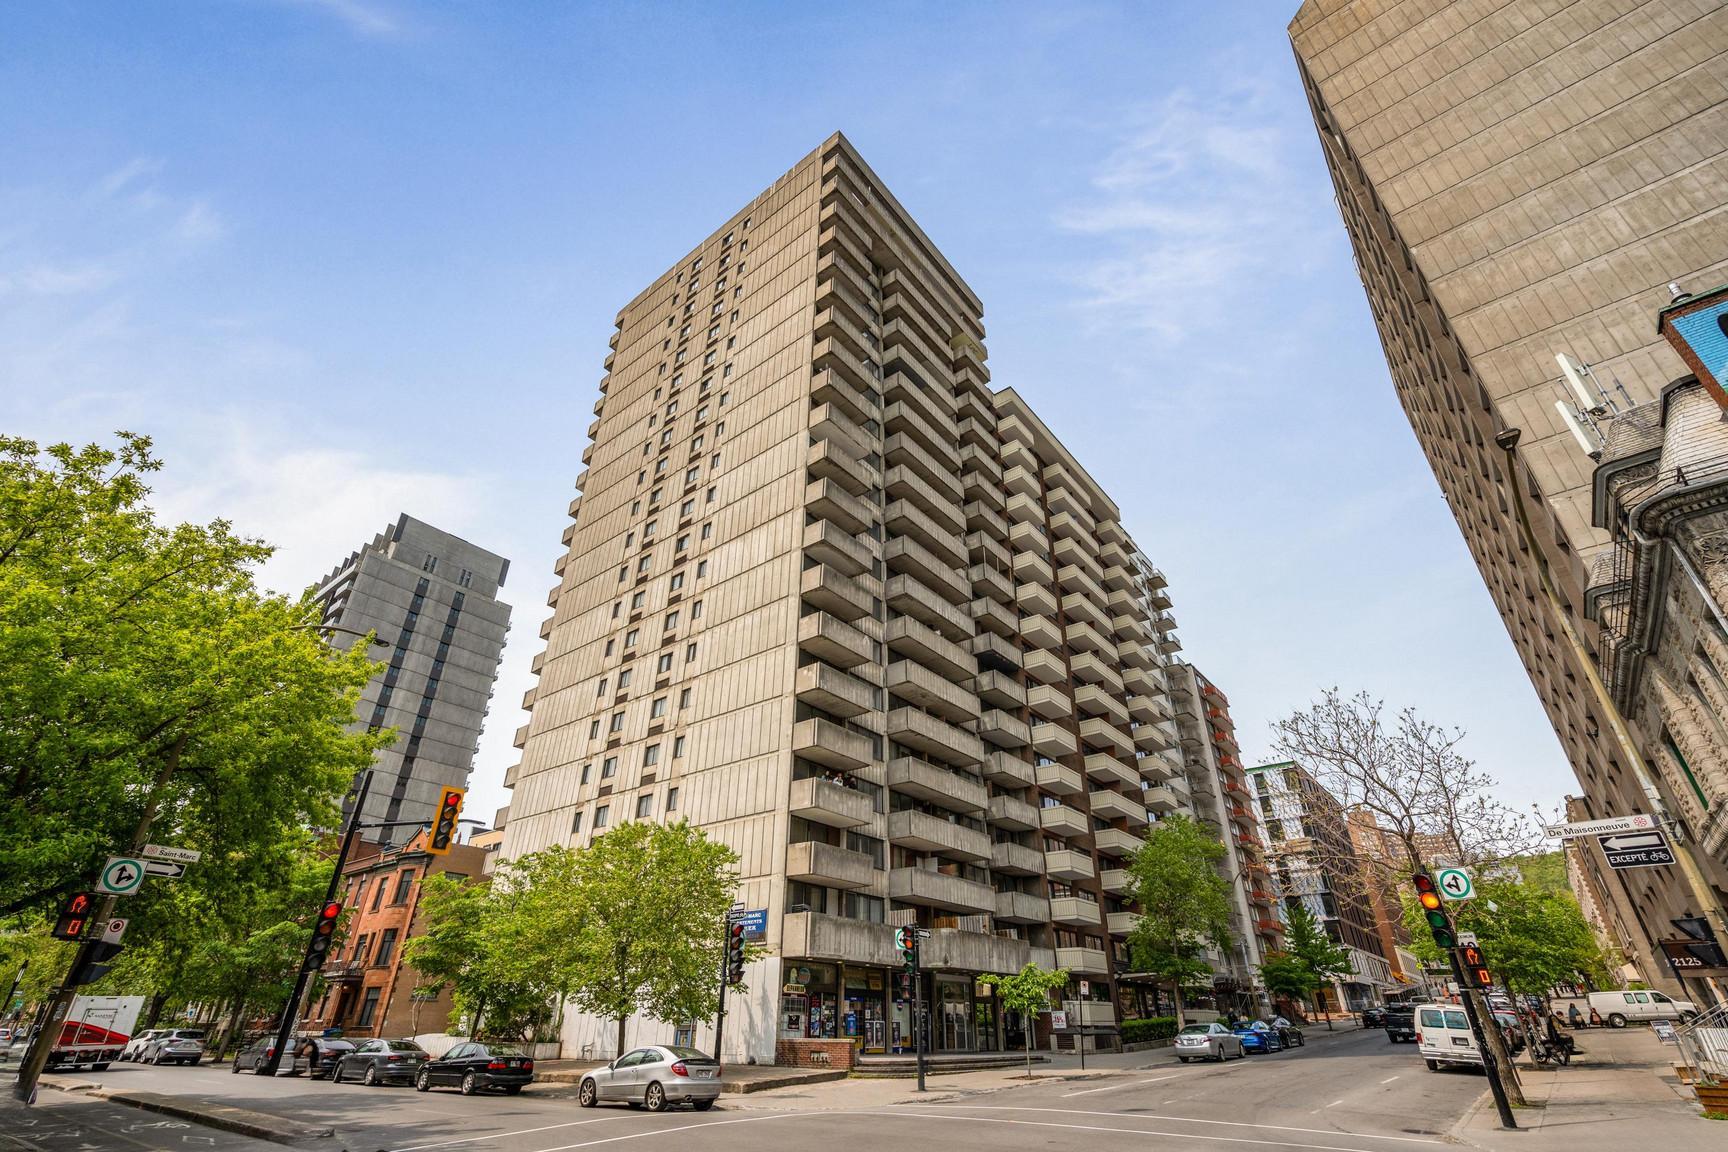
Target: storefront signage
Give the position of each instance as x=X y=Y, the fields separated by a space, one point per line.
x=793 y=989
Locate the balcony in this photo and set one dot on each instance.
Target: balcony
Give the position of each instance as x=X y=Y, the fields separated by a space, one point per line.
x=1008 y=770
x=934 y=436
x=828 y=543
x=1089 y=668
x=905 y=518
x=984 y=548
x=1122 y=923
x=906 y=595
x=836 y=593
x=916 y=684
x=982 y=517
x=1045 y=666
x=1085 y=962
x=1012 y=859
x=951 y=950
x=833 y=691
x=1054 y=741
x=828 y=638
x=936 y=738
x=906 y=554
x=1132 y=655
x=1103 y=768
x=1023 y=509
x=824 y=802
x=1142 y=711
x=1059 y=780
x=1161 y=800
x=1130 y=628
x=825 y=742
x=1003 y=729
x=1085 y=638
x=1049 y=701
x=1115 y=806
x=1094 y=700
x=1012 y=813
x=1101 y=734
x=814 y=862
x=1116 y=842
x=1033 y=569
x=937 y=784
x=907 y=637
x=993 y=617
x=830 y=422
x=843 y=391
x=999 y=690
x=1115 y=880
x=1040 y=632
x=1022 y=908
x=940 y=890
x=1075 y=911
x=923 y=832
x=987 y=581
x=1069 y=864
x=1035 y=599
x=942 y=507
x=1061 y=820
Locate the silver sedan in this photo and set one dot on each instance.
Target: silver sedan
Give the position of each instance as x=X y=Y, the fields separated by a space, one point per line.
x=655 y=1078
x=1208 y=1042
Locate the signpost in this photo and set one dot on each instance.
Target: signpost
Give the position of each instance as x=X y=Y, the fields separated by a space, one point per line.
x=178 y=855
x=1634 y=823
x=1454 y=883
x=121 y=876
x=165 y=869
x=1648 y=849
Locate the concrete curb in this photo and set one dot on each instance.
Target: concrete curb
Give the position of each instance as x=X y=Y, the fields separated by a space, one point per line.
x=243 y=1121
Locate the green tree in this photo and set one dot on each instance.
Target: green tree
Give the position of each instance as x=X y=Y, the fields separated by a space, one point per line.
x=1532 y=936
x=1028 y=993
x=1184 y=903
x=35 y=960
x=477 y=941
x=141 y=670
x=1306 y=941
x=1287 y=978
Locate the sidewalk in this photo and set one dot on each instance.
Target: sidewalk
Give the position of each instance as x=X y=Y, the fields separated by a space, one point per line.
x=1620 y=1092
x=733 y=1077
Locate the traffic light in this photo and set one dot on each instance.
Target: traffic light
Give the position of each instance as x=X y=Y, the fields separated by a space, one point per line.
x=444 y=822
x=1475 y=966
x=96 y=964
x=323 y=934
x=74 y=914
x=907 y=938
x=734 y=953
x=1439 y=923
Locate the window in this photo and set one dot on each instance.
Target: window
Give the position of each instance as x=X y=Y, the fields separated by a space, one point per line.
x=696 y=444
x=714 y=332
x=690 y=474
x=696 y=610
x=648 y=530
x=713 y=490
x=585 y=769
x=708 y=530
x=658 y=708
x=368 y=1007
x=600 y=688
x=701 y=569
x=702 y=413
x=617 y=607
x=670 y=622
x=629 y=539
x=609 y=645
x=624 y=573
x=659 y=466
x=725 y=399
x=609 y=768
x=677 y=582
x=684 y=698
x=386 y=948
x=600 y=814
x=726 y=372
x=617 y=724
x=576 y=822
x=650 y=755
x=683 y=544
x=378 y=894
x=688 y=507
x=637 y=600
x=623 y=679
x=714 y=460
x=664 y=664
x=430 y=564
x=631 y=637
x=690 y=651
x=678 y=747
x=654 y=496
x=594 y=730
x=644 y=806
x=466 y=578
x=671 y=799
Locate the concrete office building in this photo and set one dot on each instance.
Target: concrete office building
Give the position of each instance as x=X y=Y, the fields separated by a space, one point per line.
x=1218 y=796
x=432 y=598
x=1521 y=181
x=835 y=600
x=1314 y=863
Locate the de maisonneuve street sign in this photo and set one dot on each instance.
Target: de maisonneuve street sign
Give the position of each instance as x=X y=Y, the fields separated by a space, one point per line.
x=1635 y=823
x=1647 y=849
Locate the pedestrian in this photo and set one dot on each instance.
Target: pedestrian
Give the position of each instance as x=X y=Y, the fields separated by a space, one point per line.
x=1595 y=1018
x=1574 y=1018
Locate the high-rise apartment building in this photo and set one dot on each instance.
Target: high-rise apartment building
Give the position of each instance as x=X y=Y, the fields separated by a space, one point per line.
x=1314 y=863
x=1385 y=873
x=836 y=601
x=1217 y=795
x=1521 y=181
x=432 y=599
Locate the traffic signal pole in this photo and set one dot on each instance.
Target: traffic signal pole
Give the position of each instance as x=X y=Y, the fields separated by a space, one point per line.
x=918 y=1016
x=1474 y=1013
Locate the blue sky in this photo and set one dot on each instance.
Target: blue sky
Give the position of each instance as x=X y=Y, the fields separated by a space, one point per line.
x=347 y=258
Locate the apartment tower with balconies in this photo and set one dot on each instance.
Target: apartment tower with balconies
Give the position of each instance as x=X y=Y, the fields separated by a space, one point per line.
x=832 y=598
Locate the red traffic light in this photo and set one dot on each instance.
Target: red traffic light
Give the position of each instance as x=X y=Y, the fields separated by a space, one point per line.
x=445 y=821
x=331 y=910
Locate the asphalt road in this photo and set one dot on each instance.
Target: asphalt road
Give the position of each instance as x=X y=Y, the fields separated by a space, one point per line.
x=1352 y=1093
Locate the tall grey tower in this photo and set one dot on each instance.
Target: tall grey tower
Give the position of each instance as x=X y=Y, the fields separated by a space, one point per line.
x=432 y=598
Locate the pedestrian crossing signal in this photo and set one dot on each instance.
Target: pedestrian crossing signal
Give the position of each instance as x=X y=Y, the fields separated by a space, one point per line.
x=444 y=825
x=74 y=915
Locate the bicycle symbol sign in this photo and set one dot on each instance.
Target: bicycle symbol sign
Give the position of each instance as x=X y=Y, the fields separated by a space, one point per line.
x=121 y=876
x=1454 y=884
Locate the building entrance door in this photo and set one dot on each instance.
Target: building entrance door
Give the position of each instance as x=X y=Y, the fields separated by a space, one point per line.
x=955 y=1008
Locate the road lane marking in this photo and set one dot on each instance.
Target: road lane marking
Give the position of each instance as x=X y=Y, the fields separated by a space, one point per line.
x=1137 y=1131
x=1195 y=1120
x=1334 y=1103
x=1389 y=1079
x=704 y=1124
x=505 y=1135
x=1113 y=1087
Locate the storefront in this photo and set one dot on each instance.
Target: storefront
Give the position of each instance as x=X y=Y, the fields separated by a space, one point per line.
x=872 y=1008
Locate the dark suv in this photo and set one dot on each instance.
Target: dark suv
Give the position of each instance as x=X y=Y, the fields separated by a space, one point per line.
x=1400 y=1023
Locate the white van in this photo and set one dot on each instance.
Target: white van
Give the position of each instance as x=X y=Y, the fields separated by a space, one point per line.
x=1616 y=1008
x=1443 y=1036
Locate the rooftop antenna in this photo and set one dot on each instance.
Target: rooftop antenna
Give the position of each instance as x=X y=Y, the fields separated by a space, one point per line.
x=1584 y=431
x=1592 y=397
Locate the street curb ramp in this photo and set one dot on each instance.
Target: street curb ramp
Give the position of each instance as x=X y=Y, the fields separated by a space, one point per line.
x=242 y=1121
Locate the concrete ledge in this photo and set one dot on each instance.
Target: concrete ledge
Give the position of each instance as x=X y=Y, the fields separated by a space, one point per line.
x=260 y=1125
x=793 y=1078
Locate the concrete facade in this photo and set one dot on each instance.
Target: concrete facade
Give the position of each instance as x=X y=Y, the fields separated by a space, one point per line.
x=432 y=598
x=1521 y=180
x=863 y=618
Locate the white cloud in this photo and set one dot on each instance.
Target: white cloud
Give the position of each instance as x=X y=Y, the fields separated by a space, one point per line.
x=363 y=19
x=199 y=224
x=73 y=279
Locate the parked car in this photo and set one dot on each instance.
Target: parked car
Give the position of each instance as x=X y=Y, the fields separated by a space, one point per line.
x=175 y=1046
x=1258 y=1036
x=134 y=1049
x=1511 y=1028
x=1617 y=1008
x=1374 y=1017
x=251 y=1058
x=1208 y=1042
x=1400 y=1022
x=1443 y=1036
x=317 y=1055
x=1288 y=1034
x=381 y=1062
x=655 y=1078
x=474 y=1066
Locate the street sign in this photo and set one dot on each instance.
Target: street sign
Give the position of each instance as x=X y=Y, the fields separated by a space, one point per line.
x=1058 y=1021
x=754 y=920
x=1635 y=823
x=1636 y=849
x=1085 y=987
x=1467 y=939
x=164 y=852
x=1454 y=884
x=113 y=930
x=121 y=876
x=166 y=869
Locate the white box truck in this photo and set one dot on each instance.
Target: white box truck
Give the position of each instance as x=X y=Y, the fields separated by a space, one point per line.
x=94 y=1031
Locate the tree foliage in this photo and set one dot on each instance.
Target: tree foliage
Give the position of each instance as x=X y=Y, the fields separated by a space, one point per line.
x=472 y=941
x=1028 y=993
x=1306 y=942
x=1288 y=978
x=130 y=647
x=1532 y=936
x=1184 y=903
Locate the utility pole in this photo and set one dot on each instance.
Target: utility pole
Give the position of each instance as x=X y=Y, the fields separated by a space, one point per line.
x=1445 y=935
